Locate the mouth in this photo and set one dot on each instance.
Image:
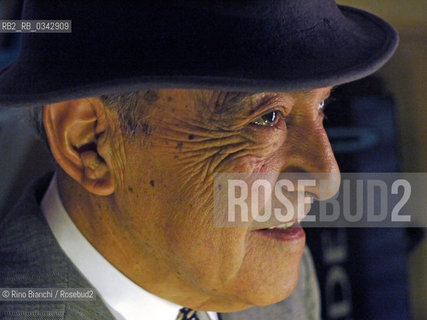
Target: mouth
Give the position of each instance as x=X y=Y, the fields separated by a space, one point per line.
x=288 y=231
x=291 y=231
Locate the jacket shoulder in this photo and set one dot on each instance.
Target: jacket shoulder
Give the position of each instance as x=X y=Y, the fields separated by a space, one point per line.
x=31 y=258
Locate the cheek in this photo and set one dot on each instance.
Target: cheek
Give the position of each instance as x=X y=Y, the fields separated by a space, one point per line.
x=205 y=256
x=264 y=153
x=254 y=164
x=265 y=150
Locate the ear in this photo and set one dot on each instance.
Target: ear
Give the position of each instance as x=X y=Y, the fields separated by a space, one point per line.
x=76 y=131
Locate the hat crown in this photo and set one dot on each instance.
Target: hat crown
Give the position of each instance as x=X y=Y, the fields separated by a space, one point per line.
x=114 y=46
x=294 y=13
x=193 y=28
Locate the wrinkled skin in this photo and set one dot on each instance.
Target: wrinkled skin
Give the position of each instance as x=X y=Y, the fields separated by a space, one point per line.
x=156 y=226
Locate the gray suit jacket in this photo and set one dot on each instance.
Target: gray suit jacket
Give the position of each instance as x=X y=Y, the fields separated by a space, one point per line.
x=30 y=257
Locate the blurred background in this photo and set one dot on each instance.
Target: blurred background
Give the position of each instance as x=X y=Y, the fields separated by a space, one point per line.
x=405 y=77
x=375 y=273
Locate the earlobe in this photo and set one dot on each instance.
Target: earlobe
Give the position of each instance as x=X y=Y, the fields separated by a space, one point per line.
x=74 y=129
x=96 y=177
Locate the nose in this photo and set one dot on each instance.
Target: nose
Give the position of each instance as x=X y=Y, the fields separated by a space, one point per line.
x=309 y=154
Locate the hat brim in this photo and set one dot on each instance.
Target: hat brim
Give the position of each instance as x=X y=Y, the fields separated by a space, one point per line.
x=349 y=51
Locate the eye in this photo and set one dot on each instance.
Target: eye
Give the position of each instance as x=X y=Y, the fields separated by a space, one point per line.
x=322 y=106
x=268 y=119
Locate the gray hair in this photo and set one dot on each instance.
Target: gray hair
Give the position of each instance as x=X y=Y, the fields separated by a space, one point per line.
x=129 y=106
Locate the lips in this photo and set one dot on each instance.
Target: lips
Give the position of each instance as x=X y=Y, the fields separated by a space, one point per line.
x=290 y=231
x=294 y=221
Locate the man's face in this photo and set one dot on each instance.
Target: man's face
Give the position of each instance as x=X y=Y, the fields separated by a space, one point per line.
x=165 y=193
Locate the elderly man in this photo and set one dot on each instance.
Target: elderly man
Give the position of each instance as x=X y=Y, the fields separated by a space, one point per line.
x=142 y=104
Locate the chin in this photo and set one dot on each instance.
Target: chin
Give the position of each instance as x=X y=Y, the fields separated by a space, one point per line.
x=273 y=294
x=273 y=286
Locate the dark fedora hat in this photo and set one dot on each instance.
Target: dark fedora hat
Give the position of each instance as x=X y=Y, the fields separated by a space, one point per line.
x=119 y=46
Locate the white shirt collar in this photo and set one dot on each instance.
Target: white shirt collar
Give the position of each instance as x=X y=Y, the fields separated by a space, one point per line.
x=124 y=299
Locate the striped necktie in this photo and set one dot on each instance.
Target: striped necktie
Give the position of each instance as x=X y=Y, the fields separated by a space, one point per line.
x=187 y=314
